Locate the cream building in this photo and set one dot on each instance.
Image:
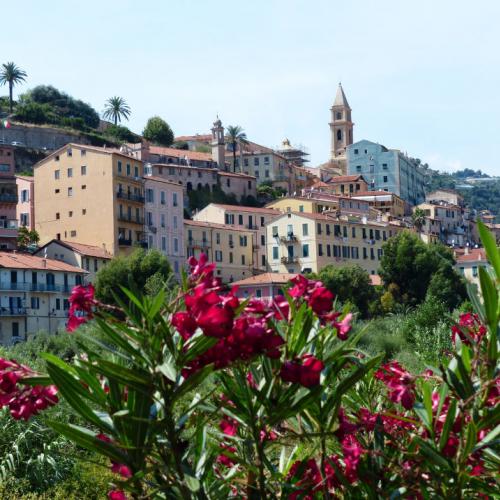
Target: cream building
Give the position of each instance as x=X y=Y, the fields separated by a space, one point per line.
x=34 y=295
x=240 y=217
x=90 y=195
x=469 y=263
x=25 y=211
x=229 y=247
x=385 y=202
x=165 y=220
x=87 y=257
x=307 y=242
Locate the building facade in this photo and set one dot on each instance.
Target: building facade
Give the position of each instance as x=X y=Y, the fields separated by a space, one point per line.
x=34 y=295
x=384 y=202
x=307 y=242
x=8 y=199
x=386 y=170
x=87 y=257
x=165 y=220
x=25 y=210
x=90 y=195
x=341 y=126
x=265 y=286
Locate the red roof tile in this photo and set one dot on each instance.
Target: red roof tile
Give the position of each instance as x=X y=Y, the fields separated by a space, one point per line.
x=475 y=254
x=266 y=278
x=25 y=261
x=180 y=153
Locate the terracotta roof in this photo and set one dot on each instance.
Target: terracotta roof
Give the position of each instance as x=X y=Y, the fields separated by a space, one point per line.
x=197 y=137
x=375 y=279
x=180 y=153
x=475 y=254
x=188 y=222
x=373 y=193
x=25 y=261
x=161 y=179
x=81 y=248
x=345 y=178
x=235 y=174
x=25 y=178
x=266 y=278
x=238 y=208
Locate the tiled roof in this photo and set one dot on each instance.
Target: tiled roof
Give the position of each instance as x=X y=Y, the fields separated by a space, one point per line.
x=375 y=279
x=373 y=193
x=475 y=254
x=197 y=137
x=235 y=174
x=345 y=178
x=199 y=223
x=180 y=153
x=161 y=179
x=266 y=278
x=81 y=248
x=25 y=261
x=238 y=208
x=25 y=178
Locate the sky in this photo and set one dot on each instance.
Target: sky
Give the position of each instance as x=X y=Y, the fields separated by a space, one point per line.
x=420 y=76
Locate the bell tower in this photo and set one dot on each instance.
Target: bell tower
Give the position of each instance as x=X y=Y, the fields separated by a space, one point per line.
x=218 y=144
x=341 y=125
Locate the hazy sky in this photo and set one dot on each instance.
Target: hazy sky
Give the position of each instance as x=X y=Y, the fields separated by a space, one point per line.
x=421 y=76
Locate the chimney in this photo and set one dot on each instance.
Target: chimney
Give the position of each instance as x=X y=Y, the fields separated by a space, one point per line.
x=44 y=263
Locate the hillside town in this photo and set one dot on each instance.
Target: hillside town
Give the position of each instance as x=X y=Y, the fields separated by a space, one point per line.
x=85 y=204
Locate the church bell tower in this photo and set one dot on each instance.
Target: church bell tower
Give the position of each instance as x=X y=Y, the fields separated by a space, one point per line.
x=341 y=125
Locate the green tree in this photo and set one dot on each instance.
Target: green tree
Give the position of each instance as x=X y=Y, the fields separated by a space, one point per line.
x=447 y=286
x=349 y=284
x=134 y=271
x=158 y=131
x=418 y=219
x=236 y=137
x=25 y=237
x=121 y=133
x=115 y=109
x=410 y=264
x=11 y=74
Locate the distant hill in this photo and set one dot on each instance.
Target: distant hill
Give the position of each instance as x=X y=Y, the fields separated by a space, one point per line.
x=480 y=191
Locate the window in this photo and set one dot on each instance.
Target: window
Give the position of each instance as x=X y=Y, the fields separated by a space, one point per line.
x=353 y=232
x=385 y=178
x=162 y=220
x=35 y=303
x=384 y=166
x=256 y=174
x=162 y=198
x=119 y=167
x=301 y=208
x=240 y=219
x=377 y=234
x=176 y=245
x=339 y=115
x=25 y=219
x=365 y=253
x=319 y=228
x=83 y=170
x=275 y=253
x=95 y=266
x=242 y=260
x=175 y=199
x=262 y=239
x=164 y=243
x=84 y=211
x=262 y=222
x=256 y=161
x=305 y=250
x=266 y=173
x=339 y=135
x=275 y=231
x=356 y=151
x=320 y=249
x=328 y=251
x=58 y=304
x=83 y=152
x=474 y=271
x=136 y=171
x=175 y=221
x=57 y=175
x=84 y=186
x=70 y=172
x=58 y=215
x=128 y=168
x=230 y=257
x=245 y=162
x=70 y=152
x=218 y=256
x=73 y=234
x=150 y=195
x=327 y=229
x=228 y=182
x=70 y=191
x=70 y=213
x=243 y=241
x=263 y=260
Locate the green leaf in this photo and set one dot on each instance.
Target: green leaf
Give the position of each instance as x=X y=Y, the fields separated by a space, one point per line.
x=490 y=298
x=450 y=419
x=488 y=438
x=490 y=246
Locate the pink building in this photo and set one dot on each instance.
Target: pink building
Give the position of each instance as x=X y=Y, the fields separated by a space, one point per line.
x=263 y=286
x=8 y=199
x=25 y=211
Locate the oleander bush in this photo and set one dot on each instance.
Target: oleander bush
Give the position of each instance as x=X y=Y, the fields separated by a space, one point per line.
x=209 y=396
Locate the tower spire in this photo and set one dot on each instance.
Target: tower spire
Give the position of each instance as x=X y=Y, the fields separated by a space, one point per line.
x=341 y=126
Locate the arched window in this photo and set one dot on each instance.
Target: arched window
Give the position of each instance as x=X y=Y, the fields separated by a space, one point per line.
x=189 y=186
x=339 y=115
x=339 y=135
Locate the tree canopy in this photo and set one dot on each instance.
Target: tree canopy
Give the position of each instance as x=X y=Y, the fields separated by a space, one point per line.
x=158 y=131
x=137 y=272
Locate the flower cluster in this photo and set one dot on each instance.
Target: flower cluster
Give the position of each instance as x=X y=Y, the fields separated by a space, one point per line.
x=320 y=300
x=305 y=371
x=470 y=329
x=82 y=303
x=401 y=384
x=213 y=310
x=23 y=400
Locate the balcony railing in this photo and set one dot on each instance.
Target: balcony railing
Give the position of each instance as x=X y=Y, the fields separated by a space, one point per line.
x=289 y=260
x=198 y=243
x=125 y=195
x=124 y=242
x=9 y=224
x=8 y=198
x=251 y=226
x=289 y=238
x=12 y=311
x=132 y=220
x=35 y=287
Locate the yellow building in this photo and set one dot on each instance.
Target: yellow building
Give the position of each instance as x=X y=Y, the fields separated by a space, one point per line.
x=90 y=195
x=385 y=202
x=229 y=247
x=307 y=242
x=243 y=218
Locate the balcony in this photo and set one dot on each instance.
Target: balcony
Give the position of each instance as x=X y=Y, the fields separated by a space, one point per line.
x=8 y=198
x=131 y=220
x=9 y=224
x=198 y=244
x=12 y=311
x=289 y=260
x=124 y=195
x=34 y=287
x=289 y=238
x=122 y=242
x=251 y=226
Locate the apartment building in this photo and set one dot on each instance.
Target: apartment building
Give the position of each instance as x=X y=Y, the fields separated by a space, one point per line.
x=230 y=247
x=252 y=218
x=453 y=228
x=343 y=185
x=265 y=286
x=468 y=263
x=25 y=209
x=386 y=170
x=8 y=199
x=449 y=196
x=165 y=220
x=90 y=195
x=384 y=202
x=300 y=242
x=87 y=257
x=34 y=295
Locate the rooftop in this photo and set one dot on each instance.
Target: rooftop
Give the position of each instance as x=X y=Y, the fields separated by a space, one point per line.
x=475 y=254
x=81 y=248
x=214 y=225
x=339 y=179
x=161 y=179
x=180 y=153
x=266 y=278
x=238 y=208
x=25 y=261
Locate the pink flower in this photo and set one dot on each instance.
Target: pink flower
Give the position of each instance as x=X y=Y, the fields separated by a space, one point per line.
x=184 y=324
x=321 y=300
x=228 y=426
x=117 y=495
x=305 y=371
x=121 y=469
x=399 y=382
x=469 y=330
x=82 y=303
x=224 y=459
x=352 y=451
x=343 y=327
x=74 y=322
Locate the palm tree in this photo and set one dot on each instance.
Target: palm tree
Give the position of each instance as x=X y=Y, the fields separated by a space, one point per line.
x=11 y=74
x=418 y=219
x=236 y=136
x=115 y=109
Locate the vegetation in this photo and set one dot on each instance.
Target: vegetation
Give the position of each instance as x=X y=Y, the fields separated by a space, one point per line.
x=158 y=131
x=203 y=196
x=235 y=137
x=116 y=109
x=267 y=192
x=121 y=134
x=140 y=271
x=27 y=238
x=11 y=74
